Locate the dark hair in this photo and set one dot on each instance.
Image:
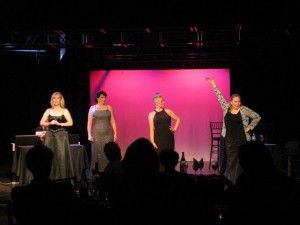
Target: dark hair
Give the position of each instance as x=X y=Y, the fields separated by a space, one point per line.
x=112 y=151
x=98 y=95
x=169 y=158
x=141 y=158
x=39 y=160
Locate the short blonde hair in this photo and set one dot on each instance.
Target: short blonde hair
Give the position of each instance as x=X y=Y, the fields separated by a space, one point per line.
x=157 y=95
x=62 y=100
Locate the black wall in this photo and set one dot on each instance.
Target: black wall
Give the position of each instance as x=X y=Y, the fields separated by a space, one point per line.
x=26 y=88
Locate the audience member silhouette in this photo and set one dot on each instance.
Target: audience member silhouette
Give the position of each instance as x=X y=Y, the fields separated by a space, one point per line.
x=140 y=160
x=179 y=194
x=169 y=159
x=147 y=196
x=112 y=152
x=108 y=180
x=43 y=201
x=263 y=196
x=137 y=200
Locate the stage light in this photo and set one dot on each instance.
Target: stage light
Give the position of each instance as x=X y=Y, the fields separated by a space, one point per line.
x=28 y=50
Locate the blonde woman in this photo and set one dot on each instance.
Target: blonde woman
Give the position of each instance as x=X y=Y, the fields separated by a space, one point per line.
x=57 y=119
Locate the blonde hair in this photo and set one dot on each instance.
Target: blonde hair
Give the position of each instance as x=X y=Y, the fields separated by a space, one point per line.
x=232 y=97
x=157 y=95
x=62 y=100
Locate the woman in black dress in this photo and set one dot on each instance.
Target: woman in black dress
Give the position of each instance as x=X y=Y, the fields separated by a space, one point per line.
x=57 y=118
x=160 y=124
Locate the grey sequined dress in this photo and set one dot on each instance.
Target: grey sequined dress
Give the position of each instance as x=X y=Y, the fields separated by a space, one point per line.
x=102 y=133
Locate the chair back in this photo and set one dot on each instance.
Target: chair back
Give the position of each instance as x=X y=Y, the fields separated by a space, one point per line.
x=216 y=155
x=216 y=129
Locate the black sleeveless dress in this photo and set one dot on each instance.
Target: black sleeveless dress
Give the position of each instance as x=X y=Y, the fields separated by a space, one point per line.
x=163 y=137
x=57 y=140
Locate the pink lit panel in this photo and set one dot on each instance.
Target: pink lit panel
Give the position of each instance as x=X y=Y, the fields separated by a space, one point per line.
x=185 y=91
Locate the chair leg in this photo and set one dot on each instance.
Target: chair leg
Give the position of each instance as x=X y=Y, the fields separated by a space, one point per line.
x=210 y=157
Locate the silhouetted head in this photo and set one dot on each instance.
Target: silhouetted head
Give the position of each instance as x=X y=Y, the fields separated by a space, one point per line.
x=112 y=151
x=169 y=158
x=39 y=161
x=255 y=157
x=141 y=158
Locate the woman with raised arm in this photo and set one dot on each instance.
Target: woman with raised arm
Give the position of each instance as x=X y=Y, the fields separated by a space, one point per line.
x=238 y=121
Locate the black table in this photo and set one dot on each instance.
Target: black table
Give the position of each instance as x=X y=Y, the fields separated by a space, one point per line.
x=19 y=169
x=275 y=152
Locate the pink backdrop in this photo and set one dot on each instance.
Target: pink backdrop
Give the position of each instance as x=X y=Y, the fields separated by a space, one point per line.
x=185 y=91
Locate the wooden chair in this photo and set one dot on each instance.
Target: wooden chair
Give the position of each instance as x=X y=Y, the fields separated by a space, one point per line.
x=215 y=141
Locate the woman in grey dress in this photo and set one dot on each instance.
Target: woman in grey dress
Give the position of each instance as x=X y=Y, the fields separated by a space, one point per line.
x=101 y=128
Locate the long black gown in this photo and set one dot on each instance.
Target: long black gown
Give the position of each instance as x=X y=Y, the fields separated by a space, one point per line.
x=57 y=140
x=235 y=136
